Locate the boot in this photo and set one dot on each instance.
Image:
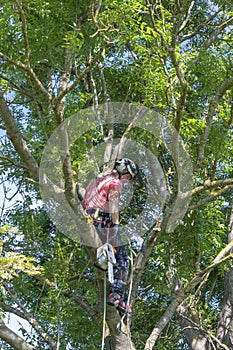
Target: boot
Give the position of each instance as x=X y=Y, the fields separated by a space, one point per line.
x=114 y=299
x=117 y=300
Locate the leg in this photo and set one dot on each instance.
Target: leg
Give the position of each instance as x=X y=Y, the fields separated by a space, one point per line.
x=117 y=289
x=120 y=271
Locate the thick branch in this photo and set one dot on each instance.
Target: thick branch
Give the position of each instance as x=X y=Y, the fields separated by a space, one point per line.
x=225 y=324
x=31 y=73
x=184 y=292
x=199 y=338
x=12 y=310
x=143 y=257
x=79 y=77
x=210 y=185
x=29 y=317
x=210 y=198
x=13 y=339
x=17 y=140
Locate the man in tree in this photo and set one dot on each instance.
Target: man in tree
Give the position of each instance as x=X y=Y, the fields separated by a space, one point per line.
x=101 y=202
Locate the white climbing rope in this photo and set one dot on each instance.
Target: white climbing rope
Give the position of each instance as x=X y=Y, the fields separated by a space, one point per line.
x=105 y=306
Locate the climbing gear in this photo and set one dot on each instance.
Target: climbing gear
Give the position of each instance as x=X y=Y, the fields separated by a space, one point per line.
x=105 y=254
x=106 y=259
x=124 y=166
x=99 y=215
x=101 y=265
x=105 y=307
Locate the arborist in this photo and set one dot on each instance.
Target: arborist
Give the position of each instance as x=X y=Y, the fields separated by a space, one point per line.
x=101 y=202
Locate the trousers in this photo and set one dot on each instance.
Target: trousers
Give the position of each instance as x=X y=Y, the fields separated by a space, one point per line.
x=121 y=269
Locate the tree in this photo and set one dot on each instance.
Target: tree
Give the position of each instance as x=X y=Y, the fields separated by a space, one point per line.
x=171 y=61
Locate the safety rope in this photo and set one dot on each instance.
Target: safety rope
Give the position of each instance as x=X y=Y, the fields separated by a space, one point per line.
x=108 y=232
x=105 y=295
x=105 y=306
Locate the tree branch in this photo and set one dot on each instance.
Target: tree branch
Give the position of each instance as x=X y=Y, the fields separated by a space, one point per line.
x=213 y=37
x=13 y=339
x=144 y=254
x=210 y=198
x=183 y=25
x=12 y=310
x=184 y=292
x=227 y=84
x=29 y=317
x=194 y=326
x=209 y=185
x=17 y=140
x=155 y=27
x=24 y=31
x=5 y=161
x=31 y=73
x=201 y=25
x=79 y=77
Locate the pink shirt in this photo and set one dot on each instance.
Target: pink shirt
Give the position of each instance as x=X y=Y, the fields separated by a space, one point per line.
x=96 y=195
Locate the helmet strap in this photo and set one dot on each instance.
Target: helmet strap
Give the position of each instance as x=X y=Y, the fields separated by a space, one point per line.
x=119 y=175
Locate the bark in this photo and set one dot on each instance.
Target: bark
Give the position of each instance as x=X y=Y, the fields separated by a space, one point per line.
x=199 y=338
x=28 y=316
x=117 y=328
x=225 y=324
x=184 y=292
x=17 y=140
x=120 y=337
x=189 y=322
x=13 y=339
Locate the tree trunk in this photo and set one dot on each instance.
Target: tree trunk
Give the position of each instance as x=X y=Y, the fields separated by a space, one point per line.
x=188 y=321
x=225 y=324
x=120 y=337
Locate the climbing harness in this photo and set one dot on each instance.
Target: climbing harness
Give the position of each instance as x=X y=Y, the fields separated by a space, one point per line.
x=106 y=257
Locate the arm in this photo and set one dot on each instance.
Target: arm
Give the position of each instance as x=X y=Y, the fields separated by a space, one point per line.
x=114 y=198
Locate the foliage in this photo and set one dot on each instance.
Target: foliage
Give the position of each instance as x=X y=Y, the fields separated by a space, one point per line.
x=11 y=263
x=59 y=57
